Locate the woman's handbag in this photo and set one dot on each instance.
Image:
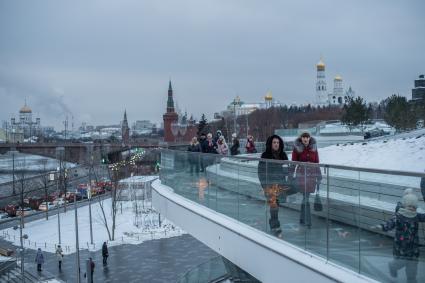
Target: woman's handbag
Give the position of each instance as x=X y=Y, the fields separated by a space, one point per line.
x=318 y=206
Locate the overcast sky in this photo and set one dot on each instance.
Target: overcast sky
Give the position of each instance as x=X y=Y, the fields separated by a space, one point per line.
x=92 y=59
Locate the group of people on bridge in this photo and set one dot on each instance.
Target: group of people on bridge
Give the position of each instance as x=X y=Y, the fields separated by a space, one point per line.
x=278 y=181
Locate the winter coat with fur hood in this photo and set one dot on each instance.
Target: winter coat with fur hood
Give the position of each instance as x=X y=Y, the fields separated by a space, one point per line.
x=307 y=176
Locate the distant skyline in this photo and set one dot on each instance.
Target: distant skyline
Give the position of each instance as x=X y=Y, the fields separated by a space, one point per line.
x=94 y=59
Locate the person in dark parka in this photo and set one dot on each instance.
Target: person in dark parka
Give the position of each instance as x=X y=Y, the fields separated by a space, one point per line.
x=307 y=177
x=273 y=179
x=194 y=147
x=39 y=259
x=234 y=150
x=406 y=238
x=202 y=140
x=105 y=253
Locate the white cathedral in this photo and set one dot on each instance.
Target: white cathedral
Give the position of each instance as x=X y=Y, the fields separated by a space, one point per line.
x=337 y=97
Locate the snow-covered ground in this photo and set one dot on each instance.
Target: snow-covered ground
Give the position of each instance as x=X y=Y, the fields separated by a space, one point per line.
x=129 y=230
x=139 y=179
x=341 y=128
x=399 y=154
x=29 y=162
x=403 y=154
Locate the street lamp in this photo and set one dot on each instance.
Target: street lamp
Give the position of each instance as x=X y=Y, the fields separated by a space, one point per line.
x=236 y=101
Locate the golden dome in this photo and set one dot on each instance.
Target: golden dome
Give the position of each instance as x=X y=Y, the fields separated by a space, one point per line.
x=338 y=78
x=320 y=66
x=25 y=109
x=268 y=96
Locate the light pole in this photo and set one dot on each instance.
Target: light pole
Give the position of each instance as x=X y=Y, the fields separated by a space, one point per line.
x=77 y=247
x=13 y=173
x=89 y=197
x=59 y=208
x=236 y=101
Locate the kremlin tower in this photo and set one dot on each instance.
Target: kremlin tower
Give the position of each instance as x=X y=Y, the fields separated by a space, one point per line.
x=125 y=130
x=170 y=116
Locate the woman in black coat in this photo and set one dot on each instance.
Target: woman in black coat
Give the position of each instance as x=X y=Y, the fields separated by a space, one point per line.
x=273 y=179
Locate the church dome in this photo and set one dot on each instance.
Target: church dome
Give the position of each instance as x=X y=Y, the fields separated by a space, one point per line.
x=338 y=78
x=320 y=66
x=268 y=96
x=25 y=109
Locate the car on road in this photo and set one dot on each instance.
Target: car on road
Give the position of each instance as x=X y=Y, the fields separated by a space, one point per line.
x=44 y=206
x=59 y=202
x=4 y=215
x=100 y=191
x=10 y=209
x=70 y=196
x=26 y=211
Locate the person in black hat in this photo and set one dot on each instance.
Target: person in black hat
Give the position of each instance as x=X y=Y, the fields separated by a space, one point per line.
x=273 y=179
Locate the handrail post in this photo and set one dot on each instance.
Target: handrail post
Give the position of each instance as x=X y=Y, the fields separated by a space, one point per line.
x=327 y=211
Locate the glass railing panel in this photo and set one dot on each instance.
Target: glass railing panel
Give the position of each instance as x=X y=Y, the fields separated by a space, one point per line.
x=227 y=188
x=343 y=208
x=343 y=231
x=316 y=205
x=381 y=200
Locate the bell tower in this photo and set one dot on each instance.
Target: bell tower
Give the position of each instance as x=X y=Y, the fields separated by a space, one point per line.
x=170 y=116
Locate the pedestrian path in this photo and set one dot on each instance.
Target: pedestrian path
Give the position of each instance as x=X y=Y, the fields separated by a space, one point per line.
x=162 y=260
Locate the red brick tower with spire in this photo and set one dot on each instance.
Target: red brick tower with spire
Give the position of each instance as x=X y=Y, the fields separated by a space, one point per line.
x=125 y=130
x=170 y=116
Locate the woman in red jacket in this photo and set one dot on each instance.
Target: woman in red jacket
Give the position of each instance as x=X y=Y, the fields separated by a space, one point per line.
x=307 y=177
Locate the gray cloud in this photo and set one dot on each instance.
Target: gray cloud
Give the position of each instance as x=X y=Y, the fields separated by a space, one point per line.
x=101 y=57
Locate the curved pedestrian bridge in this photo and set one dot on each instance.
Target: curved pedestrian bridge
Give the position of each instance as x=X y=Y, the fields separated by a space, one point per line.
x=224 y=207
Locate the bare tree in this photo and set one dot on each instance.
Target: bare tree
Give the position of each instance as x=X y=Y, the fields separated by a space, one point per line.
x=21 y=179
x=45 y=181
x=115 y=197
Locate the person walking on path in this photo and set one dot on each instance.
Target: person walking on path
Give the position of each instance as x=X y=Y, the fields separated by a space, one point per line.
x=105 y=253
x=39 y=259
x=307 y=177
x=273 y=179
x=250 y=145
x=92 y=266
x=234 y=150
x=59 y=256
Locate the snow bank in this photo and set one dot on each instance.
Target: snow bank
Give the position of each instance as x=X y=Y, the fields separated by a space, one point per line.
x=406 y=154
x=131 y=229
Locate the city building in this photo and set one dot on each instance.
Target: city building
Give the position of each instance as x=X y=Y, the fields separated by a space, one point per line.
x=24 y=127
x=418 y=92
x=337 y=96
x=239 y=108
x=2 y=136
x=25 y=123
x=143 y=127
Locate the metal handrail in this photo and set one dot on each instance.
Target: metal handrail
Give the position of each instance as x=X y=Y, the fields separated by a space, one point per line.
x=8 y=266
x=294 y=163
x=222 y=277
